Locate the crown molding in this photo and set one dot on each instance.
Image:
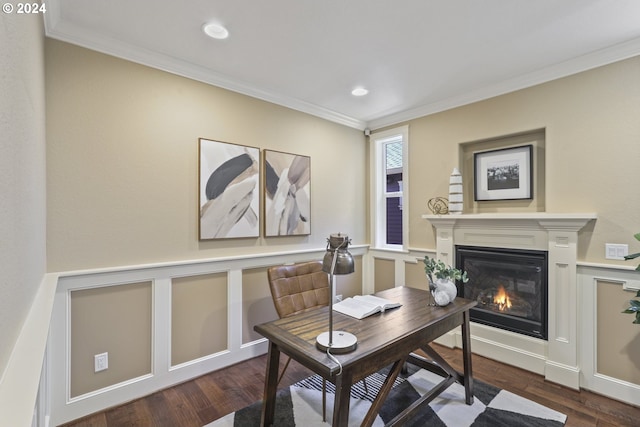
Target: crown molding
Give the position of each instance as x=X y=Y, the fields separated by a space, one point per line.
x=576 y=65
x=81 y=37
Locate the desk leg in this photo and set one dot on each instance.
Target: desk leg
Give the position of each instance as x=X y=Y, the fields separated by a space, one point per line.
x=342 y=399
x=270 y=385
x=466 y=359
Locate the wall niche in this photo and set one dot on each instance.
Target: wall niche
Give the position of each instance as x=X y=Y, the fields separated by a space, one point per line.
x=536 y=138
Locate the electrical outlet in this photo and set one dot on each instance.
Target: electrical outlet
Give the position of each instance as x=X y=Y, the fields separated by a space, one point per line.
x=616 y=251
x=101 y=362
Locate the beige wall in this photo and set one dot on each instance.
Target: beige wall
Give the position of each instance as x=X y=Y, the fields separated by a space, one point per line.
x=122 y=162
x=618 y=337
x=199 y=313
x=22 y=173
x=385 y=276
x=591 y=151
x=415 y=276
x=349 y=285
x=116 y=320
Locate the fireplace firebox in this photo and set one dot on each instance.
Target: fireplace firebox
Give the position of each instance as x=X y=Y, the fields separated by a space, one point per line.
x=510 y=286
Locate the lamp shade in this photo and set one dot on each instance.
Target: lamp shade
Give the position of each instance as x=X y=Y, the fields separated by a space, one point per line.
x=337 y=255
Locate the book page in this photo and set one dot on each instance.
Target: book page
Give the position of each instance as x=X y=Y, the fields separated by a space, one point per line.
x=383 y=303
x=356 y=308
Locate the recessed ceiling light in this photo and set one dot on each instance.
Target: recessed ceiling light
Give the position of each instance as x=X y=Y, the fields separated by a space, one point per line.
x=215 y=31
x=359 y=91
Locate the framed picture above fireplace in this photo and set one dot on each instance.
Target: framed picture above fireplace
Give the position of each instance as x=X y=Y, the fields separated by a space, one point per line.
x=505 y=174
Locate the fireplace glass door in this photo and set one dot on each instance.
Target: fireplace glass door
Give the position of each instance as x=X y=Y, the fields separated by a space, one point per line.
x=509 y=285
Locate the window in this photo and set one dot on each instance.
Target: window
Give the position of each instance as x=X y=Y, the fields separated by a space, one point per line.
x=389 y=178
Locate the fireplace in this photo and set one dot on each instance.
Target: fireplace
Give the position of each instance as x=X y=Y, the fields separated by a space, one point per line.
x=510 y=286
x=555 y=234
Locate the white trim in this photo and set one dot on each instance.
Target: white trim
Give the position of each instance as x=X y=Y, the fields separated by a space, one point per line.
x=161 y=312
x=21 y=379
x=377 y=201
x=234 y=295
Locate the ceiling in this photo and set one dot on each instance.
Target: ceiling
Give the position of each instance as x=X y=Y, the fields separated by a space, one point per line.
x=415 y=57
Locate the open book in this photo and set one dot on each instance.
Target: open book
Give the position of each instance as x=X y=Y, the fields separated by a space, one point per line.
x=362 y=306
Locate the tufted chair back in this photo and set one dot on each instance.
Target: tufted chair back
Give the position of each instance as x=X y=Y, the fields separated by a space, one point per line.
x=299 y=287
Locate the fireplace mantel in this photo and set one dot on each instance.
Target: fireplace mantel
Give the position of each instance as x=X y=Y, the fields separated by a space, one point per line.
x=557 y=233
x=546 y=220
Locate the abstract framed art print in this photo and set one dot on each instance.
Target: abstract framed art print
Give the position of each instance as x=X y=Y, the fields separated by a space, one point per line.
x=229 y=193
x=287 y=194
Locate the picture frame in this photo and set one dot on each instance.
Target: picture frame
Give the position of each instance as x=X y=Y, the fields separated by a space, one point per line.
x=504 y=174
x=287 y=194
x=229 y=190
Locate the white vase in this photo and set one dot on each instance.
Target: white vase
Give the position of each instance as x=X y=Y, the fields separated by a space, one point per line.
x=445 y=292
x=455 y=192
x=441 y=298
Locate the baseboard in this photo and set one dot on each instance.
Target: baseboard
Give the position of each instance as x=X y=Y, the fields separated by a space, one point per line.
x=568 y=376
x=503 y=346
x=616 y=389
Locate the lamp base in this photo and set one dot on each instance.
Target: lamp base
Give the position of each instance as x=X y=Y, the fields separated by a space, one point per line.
x=343 y=342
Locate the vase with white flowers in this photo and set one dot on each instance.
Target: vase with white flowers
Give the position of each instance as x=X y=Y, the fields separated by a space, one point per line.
x=442 y=278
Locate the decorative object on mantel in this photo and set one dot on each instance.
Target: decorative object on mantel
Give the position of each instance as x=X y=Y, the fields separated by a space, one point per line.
x=634 y=304
x=438 y=206
x=455 y=192
x=443 y=288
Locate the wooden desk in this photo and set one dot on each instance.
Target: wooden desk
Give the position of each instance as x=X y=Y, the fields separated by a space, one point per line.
x=383 y=339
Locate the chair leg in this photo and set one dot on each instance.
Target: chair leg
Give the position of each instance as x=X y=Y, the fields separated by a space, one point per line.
x=366 y=389
x=324 y=400
x=324 y=390
x=286 y=365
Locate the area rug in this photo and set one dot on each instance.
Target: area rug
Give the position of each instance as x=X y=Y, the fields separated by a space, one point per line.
x=301 y=405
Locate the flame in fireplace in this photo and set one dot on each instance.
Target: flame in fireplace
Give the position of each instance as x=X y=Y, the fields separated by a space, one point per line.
x=501 y=299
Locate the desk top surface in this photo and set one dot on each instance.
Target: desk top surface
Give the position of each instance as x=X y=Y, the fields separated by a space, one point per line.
x=381 y=337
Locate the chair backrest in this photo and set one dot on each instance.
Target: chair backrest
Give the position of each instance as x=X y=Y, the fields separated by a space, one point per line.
x=298 y=288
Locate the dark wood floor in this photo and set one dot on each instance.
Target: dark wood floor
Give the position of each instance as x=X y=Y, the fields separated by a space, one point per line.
x=204 y=399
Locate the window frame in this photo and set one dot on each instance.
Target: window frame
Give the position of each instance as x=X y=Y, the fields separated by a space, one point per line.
x=378 y=193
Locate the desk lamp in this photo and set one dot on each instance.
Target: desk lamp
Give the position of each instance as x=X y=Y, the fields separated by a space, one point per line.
x=337 y=260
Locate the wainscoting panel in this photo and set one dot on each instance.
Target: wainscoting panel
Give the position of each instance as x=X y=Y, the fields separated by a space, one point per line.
x=611 y=372
x=199 y=318
x=610 y=342
x=113 y=319
x=256 y=301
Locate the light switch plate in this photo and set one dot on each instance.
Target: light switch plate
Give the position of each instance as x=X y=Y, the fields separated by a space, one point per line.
x=616 y=251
